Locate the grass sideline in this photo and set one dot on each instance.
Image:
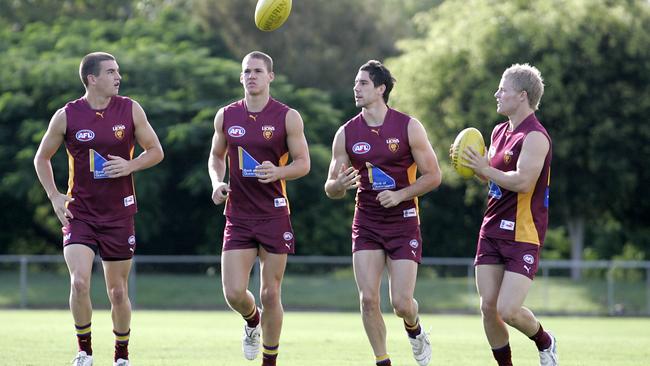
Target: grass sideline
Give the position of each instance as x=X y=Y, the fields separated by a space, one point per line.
x=183 y=338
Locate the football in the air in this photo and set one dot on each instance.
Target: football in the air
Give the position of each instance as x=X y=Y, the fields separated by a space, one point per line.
x=271 y=14
x=467 y=137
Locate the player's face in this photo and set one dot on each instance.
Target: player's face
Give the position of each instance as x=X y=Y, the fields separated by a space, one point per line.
x=508 y=98
x=108 y=80
x=365 y=92
x=255 y=77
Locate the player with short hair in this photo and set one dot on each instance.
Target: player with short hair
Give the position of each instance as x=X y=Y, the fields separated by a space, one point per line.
x=517 y=167
x=99 y=131
x=258 y=134
x=378 y=153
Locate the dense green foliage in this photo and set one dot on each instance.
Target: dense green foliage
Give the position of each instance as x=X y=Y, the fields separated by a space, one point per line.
x=180 y=60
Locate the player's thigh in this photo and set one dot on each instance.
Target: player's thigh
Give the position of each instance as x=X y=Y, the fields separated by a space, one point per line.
x=488 y=281
x=403 y=274
x=513 y=291
x=272 y=267
x=116 y=273
x=368 y=268
x=79 y=259
x=236 y=268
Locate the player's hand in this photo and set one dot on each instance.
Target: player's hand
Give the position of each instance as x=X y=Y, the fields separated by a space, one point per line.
x=117 y=166
x=59 y=201
x=220 y=193
x=389 y=198
x=476 y=161
x=348 y=178
x=267 y=172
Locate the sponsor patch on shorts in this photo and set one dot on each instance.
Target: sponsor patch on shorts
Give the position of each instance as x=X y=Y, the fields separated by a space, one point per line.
x=280 y=202
x=128 y=201
x=410 y=212
x=507 y=225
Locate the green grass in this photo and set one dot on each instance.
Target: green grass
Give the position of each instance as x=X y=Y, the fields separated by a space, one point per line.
x=180 y=338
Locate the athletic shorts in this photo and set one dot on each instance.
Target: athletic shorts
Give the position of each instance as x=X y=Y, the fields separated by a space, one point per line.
x=114 y=240
x=275 y=235
x=517 y=256
x=399 y=242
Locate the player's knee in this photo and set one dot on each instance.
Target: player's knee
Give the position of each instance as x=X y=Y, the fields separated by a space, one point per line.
x=369 y=302
x=234 y=296
x=403 y=307
x=508 y=314
x=80 y=286
x=118 y=295
x=488 y=308
x=270 y=296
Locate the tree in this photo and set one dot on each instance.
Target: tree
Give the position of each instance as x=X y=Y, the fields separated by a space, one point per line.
x=594 y=58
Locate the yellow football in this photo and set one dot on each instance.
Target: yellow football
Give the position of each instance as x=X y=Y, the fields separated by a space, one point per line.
x=271 y=14
x=467 y=137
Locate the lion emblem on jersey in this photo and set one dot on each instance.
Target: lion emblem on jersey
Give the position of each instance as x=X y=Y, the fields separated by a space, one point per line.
x=393 y=144
x=119 y=131
x=267 y=131
x=507 y=156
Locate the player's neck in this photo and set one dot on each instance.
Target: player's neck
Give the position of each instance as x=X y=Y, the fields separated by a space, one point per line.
x=374 y=114
x=255 y=103
x=519 y=116
x=96 y=101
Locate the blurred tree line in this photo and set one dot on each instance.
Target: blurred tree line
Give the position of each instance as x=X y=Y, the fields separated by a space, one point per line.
x=181 y=61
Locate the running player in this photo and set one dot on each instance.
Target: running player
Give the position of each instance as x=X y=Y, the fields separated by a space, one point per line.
x=99 y=131
x=258 y=134
x=518 y=168
x=378 y=152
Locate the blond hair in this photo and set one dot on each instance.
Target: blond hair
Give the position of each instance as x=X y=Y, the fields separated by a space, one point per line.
x=525 y=77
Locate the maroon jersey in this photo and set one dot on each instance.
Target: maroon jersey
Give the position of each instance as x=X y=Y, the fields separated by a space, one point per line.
x=383 y=157
x=90 y=136
x=521 y=217
x=252 y=139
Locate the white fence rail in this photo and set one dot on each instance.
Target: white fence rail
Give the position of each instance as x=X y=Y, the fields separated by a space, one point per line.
x=616 y=287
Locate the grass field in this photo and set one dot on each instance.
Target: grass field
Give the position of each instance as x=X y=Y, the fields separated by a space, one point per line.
x=183 y=338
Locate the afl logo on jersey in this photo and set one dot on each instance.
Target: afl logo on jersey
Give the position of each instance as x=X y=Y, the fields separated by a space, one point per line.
x=237 y=131
x=84 y=135
x=361 y=148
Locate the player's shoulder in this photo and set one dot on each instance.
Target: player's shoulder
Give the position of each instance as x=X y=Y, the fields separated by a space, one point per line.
x=236 y=105
x=354 y=122
x=398 y=116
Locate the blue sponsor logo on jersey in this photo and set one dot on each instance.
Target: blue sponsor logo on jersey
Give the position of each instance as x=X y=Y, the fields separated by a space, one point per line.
x=361 y=148
x=84 y=135
x=97 y=165
x=379 y=179
x=236 y=131
x=495 y=191
x=247 y=163
x=547 y=197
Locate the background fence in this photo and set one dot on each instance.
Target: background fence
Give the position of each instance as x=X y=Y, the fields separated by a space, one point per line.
x=327 y=283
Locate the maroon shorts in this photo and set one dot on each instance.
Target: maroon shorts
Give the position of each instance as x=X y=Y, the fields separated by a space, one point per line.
x=399 y=242
x=114 y=240
x=275 y=234
x=517 y=256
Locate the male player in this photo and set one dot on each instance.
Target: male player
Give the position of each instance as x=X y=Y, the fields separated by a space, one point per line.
x=99 y=131
x=378 y=152
x=518 y=168
x=258 y=134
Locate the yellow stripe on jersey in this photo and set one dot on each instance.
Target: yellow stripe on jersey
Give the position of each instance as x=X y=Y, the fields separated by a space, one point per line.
x=91 y=156
x=411 y=173
x=369 y=167
x=283 y=161
x=240 y=155
x=132 y=180
x=70 y=174
x=525 y=230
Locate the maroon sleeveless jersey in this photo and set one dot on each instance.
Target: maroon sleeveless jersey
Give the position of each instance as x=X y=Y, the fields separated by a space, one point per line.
x=252 y=139
x=383 y=157
x=90 y=136
x=521 y=217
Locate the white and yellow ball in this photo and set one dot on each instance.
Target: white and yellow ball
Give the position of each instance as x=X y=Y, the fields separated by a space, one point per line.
x=271 y=14
x=467 y=137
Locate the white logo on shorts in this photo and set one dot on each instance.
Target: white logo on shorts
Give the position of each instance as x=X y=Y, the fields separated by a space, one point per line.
x=279 y=202
x=507 y=225
x=128 y=201
x=410 y=212
x=287 y=235
x=529 y=259
x=66 y=237
x=414 y=243
x=132 y=240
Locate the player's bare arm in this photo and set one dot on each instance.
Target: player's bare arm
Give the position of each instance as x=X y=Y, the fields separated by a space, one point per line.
x=341 y=176
x=146 y=137
x=50 y=143
x=300 y=164
x=427 y=163
x=529 y=166
x=217 y=161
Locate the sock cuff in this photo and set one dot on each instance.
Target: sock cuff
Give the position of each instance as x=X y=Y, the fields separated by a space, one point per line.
x=82 y=329
x=270 y=350
x=382 y=358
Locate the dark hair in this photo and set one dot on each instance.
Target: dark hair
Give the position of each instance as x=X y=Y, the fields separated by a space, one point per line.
x=90 y=64
x=268 y=61
x=379 y=75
